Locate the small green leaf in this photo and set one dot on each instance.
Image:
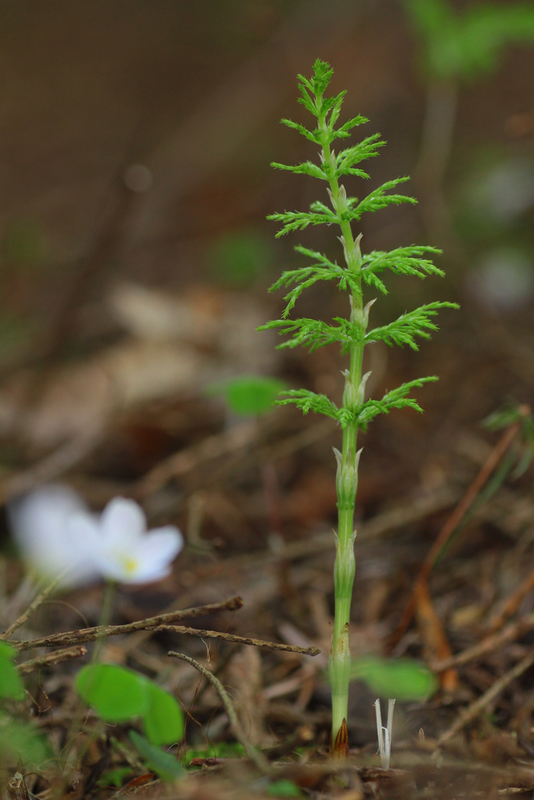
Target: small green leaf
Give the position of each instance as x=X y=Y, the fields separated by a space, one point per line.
x=116 y=693
x=160 y=762
x=163 y=721
x=401 y=678
x=10 y=683
x=249 y=394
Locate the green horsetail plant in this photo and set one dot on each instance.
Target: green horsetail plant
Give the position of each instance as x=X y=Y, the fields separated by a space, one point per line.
x=352 y=334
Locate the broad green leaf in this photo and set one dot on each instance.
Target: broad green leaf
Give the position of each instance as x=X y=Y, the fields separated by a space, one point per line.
x=250 y=394
x=401 y=678
x=21 y=742
x=163 y=721
x=10 y=683
x=116 y=693
x=160 y=762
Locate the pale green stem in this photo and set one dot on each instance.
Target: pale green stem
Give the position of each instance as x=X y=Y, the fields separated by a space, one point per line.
x=344 y=566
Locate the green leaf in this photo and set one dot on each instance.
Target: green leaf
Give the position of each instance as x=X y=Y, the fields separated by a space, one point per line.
x=404 y=329
x=313 y=136
x=304 y=277
x=367 y=148
x=116 y=693
x=21 y=742
x=160 y=762
x=315 y=333
x=10 y=683
x=310 y=401
x=401 y=261
x=249 y=394
x=306 y=168
x=163 y=721
x=299 y=220
x=378 y=199
x=394 y=399
x=402 y=679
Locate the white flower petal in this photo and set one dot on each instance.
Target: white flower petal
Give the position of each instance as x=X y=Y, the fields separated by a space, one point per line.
x=40 y=527
x=153 y=557
x=147 y=572
x=161 y=545
x=123 y=522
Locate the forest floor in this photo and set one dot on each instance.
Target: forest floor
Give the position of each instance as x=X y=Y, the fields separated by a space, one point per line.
x=135 y=180
x=256 y=501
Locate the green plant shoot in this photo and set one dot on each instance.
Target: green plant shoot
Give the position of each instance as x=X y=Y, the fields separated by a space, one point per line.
x=351 y=334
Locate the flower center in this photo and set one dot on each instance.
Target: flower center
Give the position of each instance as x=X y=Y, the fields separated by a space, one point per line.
x=131 y=565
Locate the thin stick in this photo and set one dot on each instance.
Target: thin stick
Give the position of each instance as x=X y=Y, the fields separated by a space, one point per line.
x=473 y=710
x=52 y=659
x=231 y=637
x=512 y=603
x=450 y=525
x=255 y=755
x=34 y=605
x=492 y=642
x=90 y=634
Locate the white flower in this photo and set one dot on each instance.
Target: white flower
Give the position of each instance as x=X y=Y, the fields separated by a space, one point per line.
x=39 y=522
x=58 y=536
x=123 y=549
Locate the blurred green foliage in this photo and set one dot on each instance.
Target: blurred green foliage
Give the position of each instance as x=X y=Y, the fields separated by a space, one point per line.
x=19 y=741
x=468 y=45
x=249 y=395
x=398 y=678
x=162 y=763
x=239 y=258
x=10 y=682
x=23 y=244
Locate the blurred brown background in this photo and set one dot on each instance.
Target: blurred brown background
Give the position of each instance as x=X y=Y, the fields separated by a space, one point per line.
x=135 y=180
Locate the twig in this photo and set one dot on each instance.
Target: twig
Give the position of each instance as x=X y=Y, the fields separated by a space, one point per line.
x=473 y=710
x=230 y=637
x=451 y=524
x=52 y=659
x=34 y=605
x=90 y=634
x=512 y=603
x=492 y=642
x=255 y=755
